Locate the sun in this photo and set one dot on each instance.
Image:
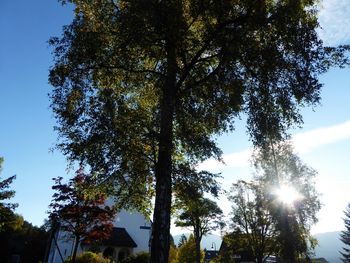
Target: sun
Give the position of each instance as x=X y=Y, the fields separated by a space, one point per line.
x=287 y=194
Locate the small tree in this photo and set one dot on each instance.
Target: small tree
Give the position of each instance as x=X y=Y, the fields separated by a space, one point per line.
x=185 y=252
x=79 y=207
x=201 y=214
x=251 y=220
x=172 y=254
x=234 y=246
x=345 y=237
x=7 y=217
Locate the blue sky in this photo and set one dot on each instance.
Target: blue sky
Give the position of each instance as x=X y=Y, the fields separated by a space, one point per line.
x=26 y=133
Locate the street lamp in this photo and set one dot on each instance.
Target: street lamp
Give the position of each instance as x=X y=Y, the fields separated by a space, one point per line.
x=213 y=244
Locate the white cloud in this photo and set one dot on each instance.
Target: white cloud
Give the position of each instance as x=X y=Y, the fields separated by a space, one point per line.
x=335 y=21
x=334 y=197
x=303 y=142
x=236 y=159
x=308 y=141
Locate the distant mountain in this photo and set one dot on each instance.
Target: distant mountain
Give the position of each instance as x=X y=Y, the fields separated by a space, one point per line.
x=329 y=246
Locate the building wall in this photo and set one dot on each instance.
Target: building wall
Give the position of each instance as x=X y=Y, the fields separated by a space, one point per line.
x=138 y=227
x=65 y=244
x=136 y=224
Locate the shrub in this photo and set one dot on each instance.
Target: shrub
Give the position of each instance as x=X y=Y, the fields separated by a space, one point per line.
x=142 y=257
x=90 y=257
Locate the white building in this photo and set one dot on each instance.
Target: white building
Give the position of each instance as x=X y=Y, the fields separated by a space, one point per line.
x=130 y=235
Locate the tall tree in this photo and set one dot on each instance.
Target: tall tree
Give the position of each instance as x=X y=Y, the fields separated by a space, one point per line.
x=80 y=209
x=293 y=202
x=142 y=85
x=345 y=237
x=7 y=217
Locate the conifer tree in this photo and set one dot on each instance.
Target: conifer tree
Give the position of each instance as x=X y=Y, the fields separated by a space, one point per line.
x=345 y=237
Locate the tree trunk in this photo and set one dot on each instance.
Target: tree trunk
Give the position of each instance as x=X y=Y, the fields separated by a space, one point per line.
x=75 y=249
x=289 y=242
x=161 y=218
x=197 y=240
x=260 y=258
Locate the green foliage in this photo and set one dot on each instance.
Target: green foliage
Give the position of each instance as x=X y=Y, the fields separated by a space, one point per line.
x=142 y=257
x=7 y=217
x=142 y=87
x=199 y=213
x=172 y=254
x=202 y=214
x=235 y=244
x=90 y=257
x=345 y=237
x=251 y=221
x=279 y=166
x=26 y=240
x=185 y=252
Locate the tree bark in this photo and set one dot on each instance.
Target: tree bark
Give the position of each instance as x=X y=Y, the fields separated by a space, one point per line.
x=161 y=218
x=197 y=240
x=75 y=249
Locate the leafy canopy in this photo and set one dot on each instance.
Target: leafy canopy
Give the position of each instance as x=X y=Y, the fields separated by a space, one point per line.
x=253 y=228
x=279 y=167
x=269 y=225
x=111 y=67
x=80 y=208
x=142 y=87
x=202 y=215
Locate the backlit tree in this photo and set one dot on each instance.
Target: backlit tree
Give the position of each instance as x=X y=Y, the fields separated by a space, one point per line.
x=292 y=200
x=140 y=86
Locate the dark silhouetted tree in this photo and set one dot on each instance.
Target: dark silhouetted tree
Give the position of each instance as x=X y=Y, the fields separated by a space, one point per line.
x=79 y=207
x=7 y=217
x=270 y=221
x=26 y=240
x=280 y=171
x=345 y=237
x=142 y=85
x=183 y=240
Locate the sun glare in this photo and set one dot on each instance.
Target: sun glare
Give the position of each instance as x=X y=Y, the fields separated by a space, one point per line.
x=287 y=194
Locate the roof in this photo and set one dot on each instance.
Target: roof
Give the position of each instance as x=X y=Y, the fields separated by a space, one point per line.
x=119 y=238
x=211 y=254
